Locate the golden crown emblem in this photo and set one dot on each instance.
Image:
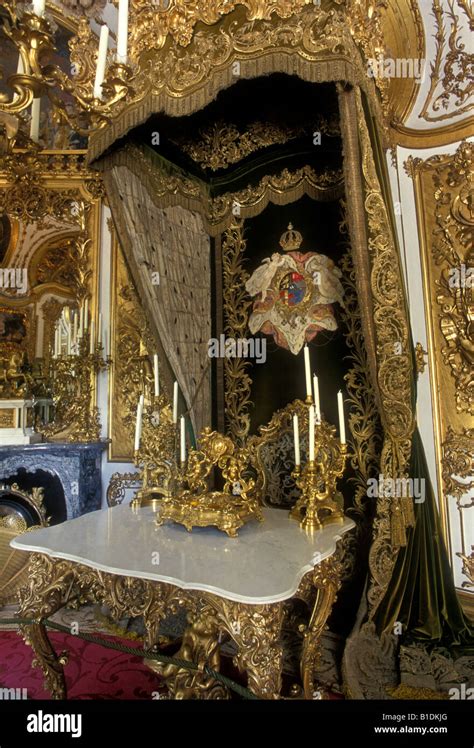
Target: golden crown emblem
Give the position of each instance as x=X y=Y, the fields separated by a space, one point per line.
x=290 y=240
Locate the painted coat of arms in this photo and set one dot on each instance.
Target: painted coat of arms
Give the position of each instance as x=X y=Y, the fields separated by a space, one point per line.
x=294 y=293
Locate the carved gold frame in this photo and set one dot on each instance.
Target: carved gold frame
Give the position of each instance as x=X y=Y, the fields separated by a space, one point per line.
x=435 y=180
x=35 y=185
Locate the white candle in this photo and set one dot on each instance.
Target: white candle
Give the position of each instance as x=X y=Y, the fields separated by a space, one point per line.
x=175 y=402
x=20 y=67
x=317 y=404
x=92 y=337
x=86 y=314
x=101 y=61
x=156 y=372
x=342 y=425
x=138 y=424
x=39 y=7
x=35 y=119
x=307 y=371
x=81 y=321
x=122 y=31
x=99 y=329
x=296 y=434
x=74 y=331
x=69 y=339
x=311 y=433
x=182 y=451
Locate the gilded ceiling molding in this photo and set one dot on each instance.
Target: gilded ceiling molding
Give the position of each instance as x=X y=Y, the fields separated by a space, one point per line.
x=408 y=137
x=315 y=44
x=404 y=35
x=218 y=213
x=451 y=91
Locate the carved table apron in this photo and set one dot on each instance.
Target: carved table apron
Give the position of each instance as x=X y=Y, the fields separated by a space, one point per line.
x=239 y=587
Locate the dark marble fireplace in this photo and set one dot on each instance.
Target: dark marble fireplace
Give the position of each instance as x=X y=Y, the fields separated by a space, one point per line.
x=69 y=473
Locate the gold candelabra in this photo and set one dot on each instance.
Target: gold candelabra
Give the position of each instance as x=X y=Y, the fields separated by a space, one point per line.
x=192 y=504
x=74 y=377
x=318 y=503
x=156 y=453
x=33 y=36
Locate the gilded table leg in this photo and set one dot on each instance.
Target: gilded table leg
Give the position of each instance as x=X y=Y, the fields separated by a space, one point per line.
x=45 y=657
x=200 y=645
x=256 y=629
x=49 y=587
x=325 y=578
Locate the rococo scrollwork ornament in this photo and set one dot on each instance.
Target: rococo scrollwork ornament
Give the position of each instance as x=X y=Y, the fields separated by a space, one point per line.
x=223 y=144
x=193 y=504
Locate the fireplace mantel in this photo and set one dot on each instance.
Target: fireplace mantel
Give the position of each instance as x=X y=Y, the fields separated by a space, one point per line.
x=76 y=465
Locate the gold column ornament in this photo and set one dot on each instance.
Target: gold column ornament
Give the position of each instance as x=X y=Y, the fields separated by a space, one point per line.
x=319 y=503
x=192 y=504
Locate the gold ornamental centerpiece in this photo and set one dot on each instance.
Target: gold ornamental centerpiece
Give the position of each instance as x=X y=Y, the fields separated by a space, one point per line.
x=193 y=504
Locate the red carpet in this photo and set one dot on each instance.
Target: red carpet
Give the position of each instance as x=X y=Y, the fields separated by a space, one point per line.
x=92 y=672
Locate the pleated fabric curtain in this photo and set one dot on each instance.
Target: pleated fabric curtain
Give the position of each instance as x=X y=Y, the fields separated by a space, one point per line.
x=168 y=253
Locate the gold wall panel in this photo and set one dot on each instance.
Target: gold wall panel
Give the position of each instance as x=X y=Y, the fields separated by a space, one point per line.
x=443 y=194
x=7 y=418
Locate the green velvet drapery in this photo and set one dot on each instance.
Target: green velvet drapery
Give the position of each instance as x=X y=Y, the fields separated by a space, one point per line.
x=421 y=594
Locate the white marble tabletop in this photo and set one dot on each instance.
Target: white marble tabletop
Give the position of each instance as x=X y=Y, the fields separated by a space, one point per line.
x=264 y=564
